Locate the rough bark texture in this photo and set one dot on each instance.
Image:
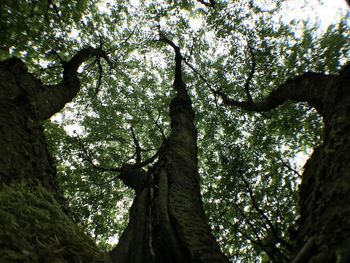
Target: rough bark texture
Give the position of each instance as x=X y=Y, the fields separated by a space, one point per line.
x=23 y=152
x=25 y=102
x=33 y=225
x=324 y=226
x=167 y=221
x=324 y=193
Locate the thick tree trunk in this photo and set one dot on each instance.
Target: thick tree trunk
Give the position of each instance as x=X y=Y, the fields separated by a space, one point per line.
x=33 y=224
x=23 y=153
x=324 y=193
x=167 y=221
x=324 y=225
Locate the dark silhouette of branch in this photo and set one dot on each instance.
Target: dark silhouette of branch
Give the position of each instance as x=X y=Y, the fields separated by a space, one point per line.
x=285 y=164
x=260 y=211
x=53 y=97
x=199 y=75
x=309 y=87
x=191 y=53
x=203 y=79
x=266 y=219
x=100 y=73
x=178 y=59
x=138 y=161
x=55 y=8
x=110 y=50
x=211 y=3
x=54 y=52
x=260 y=244
x=138 y=148
x=255 y=231
x=160 y=128
x=148 y=161
x=250 y=76
x=90 y=160
x=170 y=43
x=257 y=242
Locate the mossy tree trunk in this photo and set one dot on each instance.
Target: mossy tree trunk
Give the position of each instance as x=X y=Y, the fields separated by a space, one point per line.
x=33 y=225
x=324 y=225
x=167 y=222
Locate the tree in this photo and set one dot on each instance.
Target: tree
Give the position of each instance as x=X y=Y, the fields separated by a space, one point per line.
x=167 y=210
x=167 y=204
x=323 y=192
x=230 y=161
x=32 y=205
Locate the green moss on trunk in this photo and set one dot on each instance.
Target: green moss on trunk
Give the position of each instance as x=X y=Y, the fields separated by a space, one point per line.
x=33 y=228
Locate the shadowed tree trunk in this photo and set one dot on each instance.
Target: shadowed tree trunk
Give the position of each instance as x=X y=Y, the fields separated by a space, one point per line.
x=324 y=226
x=33 y=225
x=167 y=222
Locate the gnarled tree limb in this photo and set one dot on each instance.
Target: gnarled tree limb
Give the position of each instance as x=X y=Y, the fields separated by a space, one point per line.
x=52 y=98
x=309 y=87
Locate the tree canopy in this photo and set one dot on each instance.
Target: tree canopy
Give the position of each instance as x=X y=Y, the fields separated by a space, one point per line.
x=249 y=162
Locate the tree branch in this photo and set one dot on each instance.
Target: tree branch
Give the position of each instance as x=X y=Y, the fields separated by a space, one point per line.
x=261 y=212
x=100 y=73
x=178 y=59
x=88 y=158
x=138 y=148
x=52 y=98
x=160 y=128
x=55 y=8
x=309 y=87
x=250 y=76
x=256 y=231
x=264 y=216
x=203 y=79
x=211 y=3
x=285 y=164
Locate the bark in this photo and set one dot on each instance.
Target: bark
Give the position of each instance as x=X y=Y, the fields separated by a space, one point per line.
x=24 y=160
x=23 y=152
x=324 y=193
x=308 y=87
x=324 y=225
x=25 y=102
x=167 y=222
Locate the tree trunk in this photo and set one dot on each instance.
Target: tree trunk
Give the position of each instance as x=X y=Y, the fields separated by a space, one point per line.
x=23 y=153
x=324 y=225
x=33 y=224
x=324 y=193
x=167 y=222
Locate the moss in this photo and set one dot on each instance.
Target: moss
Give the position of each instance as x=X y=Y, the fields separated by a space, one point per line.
x=33 y=229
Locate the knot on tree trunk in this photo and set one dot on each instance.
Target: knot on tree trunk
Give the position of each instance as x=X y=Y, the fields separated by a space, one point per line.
x=135 y=178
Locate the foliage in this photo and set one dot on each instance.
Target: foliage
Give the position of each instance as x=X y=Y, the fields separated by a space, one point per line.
x=238 y=152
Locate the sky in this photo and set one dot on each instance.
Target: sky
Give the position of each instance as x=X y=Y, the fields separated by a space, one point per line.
x=325 y=11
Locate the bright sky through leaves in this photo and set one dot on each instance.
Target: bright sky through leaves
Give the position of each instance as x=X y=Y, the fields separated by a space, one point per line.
x=139 y=88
